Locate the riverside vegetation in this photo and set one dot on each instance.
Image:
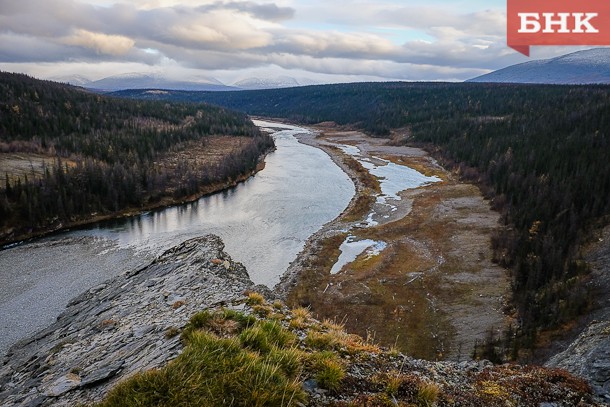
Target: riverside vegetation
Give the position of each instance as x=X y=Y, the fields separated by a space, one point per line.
x=540 y=153
x=86 y=156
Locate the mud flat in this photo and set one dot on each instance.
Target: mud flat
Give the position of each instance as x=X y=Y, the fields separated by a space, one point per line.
x=426 y=283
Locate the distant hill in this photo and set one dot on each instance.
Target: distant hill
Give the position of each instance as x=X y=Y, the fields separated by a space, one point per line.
x=582 y=67
x=139 y=80
x=76 y=80
x=272 y=83
x=152 y=81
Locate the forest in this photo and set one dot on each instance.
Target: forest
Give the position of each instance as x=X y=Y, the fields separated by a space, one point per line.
x=539 y=153
x=105 y=154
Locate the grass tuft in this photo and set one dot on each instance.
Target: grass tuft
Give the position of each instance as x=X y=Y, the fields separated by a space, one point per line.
x=321 y=340
x=223 y=322
x=427 y=394
x=215 y=371
x=330 y=374
x=265 y=335
x=255 y=298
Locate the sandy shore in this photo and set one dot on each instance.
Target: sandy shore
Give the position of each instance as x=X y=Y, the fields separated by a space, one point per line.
x=433 y=291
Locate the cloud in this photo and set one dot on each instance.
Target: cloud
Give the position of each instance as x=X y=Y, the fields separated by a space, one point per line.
x=100 y=43
x=267 y=11
x=20 y=48
x=218 y=29
x=332 y=37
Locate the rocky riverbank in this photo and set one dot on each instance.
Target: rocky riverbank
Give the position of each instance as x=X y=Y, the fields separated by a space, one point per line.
x=125 y=325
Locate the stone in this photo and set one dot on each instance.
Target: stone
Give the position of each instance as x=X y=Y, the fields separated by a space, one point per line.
x=117 y=328
x=102 y=374
x=63 y=384
x=589 y=357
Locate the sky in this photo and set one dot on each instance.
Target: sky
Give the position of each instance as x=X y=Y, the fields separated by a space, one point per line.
x=230 y=40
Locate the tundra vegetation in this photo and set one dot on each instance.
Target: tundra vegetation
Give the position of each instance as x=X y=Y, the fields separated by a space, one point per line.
x=269 y=355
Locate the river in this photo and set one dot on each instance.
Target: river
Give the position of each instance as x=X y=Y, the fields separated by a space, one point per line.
x=264 y=223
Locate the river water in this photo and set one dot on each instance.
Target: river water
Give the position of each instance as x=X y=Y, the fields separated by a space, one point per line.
x=264 y=223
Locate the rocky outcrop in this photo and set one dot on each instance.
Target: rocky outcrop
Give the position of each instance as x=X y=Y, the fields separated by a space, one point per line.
x=589 y=357
x=126 y=325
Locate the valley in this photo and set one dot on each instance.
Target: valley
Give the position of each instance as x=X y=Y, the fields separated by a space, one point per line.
x=431 y=290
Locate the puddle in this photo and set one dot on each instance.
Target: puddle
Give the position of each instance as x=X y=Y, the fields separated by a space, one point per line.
x=350 y=249
x=393 y=178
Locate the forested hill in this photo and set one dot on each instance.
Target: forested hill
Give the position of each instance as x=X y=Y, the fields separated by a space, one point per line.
x=94 y=155
x=540 y=151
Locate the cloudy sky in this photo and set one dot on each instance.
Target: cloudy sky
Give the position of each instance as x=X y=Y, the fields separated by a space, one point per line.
x=323 y=40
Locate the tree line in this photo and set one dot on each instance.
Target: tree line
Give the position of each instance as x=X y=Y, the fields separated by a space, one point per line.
x=105 y=150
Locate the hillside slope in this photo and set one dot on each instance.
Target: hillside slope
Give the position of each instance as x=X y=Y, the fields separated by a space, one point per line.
x=582 y=67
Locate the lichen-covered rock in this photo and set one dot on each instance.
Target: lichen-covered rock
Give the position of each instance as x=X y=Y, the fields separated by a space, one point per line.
x=127 y=325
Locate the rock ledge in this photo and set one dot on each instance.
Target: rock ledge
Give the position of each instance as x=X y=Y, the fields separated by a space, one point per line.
x=126 y=325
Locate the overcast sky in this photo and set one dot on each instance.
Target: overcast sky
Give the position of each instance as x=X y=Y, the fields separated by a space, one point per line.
x=324 y=40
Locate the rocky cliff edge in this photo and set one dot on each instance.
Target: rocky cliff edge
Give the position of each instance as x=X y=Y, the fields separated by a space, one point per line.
x=123 y=326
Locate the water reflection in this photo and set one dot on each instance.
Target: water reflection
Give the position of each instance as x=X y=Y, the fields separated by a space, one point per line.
x=264 y=221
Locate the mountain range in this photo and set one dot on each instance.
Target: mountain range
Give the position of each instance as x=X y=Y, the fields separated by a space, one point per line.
x=273 y=83
x=157 y=81
x=583 y=67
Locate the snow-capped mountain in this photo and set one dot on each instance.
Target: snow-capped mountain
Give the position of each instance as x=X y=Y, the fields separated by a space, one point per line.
x=272 y=83
x=582 y=67
x=153 y=81
x=76 y=80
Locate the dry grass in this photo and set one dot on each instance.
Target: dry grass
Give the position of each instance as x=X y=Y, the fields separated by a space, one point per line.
x=255 y=298
x=22 y=165
x=360 y=208
x=368 y=180
x=203 y=153
x=419 y=164
x=301 y=318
